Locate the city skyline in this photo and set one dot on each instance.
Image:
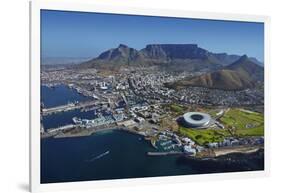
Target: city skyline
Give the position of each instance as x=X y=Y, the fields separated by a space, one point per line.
x=81 y=34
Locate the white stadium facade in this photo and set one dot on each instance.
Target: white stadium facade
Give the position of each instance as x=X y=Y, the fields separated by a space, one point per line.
x=197 y=119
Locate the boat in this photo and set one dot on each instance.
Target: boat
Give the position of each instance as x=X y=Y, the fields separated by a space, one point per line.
x=95 y=96
x=103 y=154
x=99 y=156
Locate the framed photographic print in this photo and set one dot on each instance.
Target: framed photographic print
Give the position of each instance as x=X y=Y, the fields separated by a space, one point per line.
x=123 y=95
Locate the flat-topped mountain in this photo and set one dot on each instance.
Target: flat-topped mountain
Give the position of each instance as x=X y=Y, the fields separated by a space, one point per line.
x=174 y=57
x=174 y=51
x=239 y=75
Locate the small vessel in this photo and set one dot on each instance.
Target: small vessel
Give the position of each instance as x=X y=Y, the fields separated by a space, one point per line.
x=99 y=156
x=77 y=120
x=95 y=96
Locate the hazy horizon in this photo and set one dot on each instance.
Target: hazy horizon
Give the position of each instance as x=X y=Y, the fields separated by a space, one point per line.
x=85 y=35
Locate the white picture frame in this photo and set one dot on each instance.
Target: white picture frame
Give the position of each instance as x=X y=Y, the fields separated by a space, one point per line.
x=36 y=6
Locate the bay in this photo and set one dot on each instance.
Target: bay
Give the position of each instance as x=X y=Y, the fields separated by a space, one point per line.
x=116 y=154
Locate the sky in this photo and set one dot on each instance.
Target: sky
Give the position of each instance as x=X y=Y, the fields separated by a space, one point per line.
x=81 y=34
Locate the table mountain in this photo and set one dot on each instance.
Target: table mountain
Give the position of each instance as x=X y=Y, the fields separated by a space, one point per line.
x=173 y=57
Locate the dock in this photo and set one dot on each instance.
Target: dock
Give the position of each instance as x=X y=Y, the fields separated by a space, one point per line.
x=164 y=153
x=62 y=128
x=70 y=107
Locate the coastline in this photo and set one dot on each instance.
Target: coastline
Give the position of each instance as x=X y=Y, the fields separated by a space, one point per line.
x=240 y=149
x=208 y=153
x=82 y=132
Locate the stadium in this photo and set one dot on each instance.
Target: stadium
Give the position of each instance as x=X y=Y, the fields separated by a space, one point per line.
x=197 y=120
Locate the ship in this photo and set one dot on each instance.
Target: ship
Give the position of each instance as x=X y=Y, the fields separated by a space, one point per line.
x=99 y=156
x=103 y=154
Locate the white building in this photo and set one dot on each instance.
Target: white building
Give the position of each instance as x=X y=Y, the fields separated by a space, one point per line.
x=196 y=119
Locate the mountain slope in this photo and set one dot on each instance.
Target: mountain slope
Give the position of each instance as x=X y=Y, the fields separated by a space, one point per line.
x=223 y=79
x=171 y=57
x=114 y=58
x=245 y=66
x=239 y=75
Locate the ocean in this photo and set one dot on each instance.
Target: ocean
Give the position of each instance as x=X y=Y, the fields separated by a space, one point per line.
x=117 y=154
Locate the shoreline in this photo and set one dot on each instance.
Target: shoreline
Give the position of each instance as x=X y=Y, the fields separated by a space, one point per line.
x=239 y=149
x=208 y=153
x=89 y=131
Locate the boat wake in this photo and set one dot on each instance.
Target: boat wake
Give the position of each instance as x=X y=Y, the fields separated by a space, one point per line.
x=98 y=157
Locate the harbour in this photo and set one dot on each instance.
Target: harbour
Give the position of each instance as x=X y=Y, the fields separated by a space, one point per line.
x=84 y=137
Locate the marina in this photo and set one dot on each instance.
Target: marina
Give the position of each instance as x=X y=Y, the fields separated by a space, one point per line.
x=71 y=107
x=120 y=164
x=86 y=120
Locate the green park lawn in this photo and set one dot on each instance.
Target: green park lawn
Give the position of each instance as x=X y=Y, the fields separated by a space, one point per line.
x=204 y=136
x=235 y=119
x=238 y=120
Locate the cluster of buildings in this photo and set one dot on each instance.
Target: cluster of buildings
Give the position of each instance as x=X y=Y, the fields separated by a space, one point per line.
x=232 y=142
x=142 y=93
x=206 y=96
x=149 y=85
x=170 y=141
x=101 y=120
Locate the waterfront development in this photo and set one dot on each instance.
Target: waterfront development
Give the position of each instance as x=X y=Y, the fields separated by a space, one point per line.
x=126 y=159
x=164 y=138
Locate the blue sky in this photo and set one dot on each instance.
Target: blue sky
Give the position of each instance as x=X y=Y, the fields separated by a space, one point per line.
x=79 y=34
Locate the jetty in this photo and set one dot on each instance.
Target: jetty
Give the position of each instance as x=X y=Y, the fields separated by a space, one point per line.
x=70 y=107
x=164 y=153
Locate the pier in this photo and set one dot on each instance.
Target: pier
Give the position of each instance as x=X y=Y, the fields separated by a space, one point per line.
x=62 y=128
x=164 y=153
x=70 y=107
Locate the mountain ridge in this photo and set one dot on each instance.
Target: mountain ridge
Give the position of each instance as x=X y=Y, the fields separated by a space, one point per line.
x=239 y=75
x=188 y=57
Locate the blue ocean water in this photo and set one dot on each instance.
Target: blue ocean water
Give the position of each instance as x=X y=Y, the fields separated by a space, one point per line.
x=64 y=118
x=117 y=154
x=59 y=95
